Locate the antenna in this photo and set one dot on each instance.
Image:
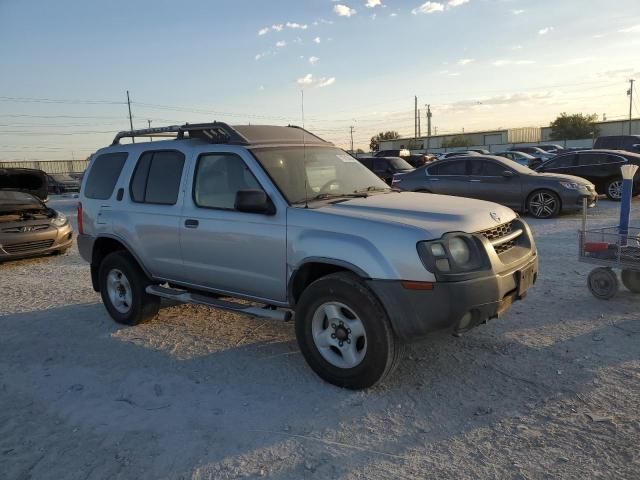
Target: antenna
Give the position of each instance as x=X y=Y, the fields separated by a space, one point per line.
x=304 y=158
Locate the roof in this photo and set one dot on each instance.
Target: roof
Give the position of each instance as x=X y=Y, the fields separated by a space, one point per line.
x=221 y=133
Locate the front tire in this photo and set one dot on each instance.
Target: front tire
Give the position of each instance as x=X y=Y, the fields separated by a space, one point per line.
x=344 y=332
x=122 y=287
x=613 y=189
x=543 y=204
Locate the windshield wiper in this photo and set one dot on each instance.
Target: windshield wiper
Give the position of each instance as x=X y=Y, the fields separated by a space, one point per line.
x=326 y=196
x=373 y=188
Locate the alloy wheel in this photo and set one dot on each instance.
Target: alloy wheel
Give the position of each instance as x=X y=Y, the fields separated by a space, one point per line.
x=615 y=189
x=543 y=205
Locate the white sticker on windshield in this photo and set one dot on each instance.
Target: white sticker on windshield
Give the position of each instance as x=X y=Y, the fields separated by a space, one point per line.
x=346 y=158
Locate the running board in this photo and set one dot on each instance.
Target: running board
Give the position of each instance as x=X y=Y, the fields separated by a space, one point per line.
x=202 y=299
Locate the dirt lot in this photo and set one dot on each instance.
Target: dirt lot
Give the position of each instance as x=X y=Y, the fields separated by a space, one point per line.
x=552 y=390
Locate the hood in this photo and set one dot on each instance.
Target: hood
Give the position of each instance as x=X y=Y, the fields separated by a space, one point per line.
x=437 y=214
x=564 y=178
x=25 y=180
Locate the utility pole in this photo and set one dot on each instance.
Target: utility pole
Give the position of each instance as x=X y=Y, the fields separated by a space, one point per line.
x=133 y=140
x=630 y=93
x=429 y=115
x=415 y=121
x=150 y=137
x=419 y=124
x=351 y=129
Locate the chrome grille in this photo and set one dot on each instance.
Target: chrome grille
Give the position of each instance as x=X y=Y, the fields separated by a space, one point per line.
x=26 y=247
x=497 y=233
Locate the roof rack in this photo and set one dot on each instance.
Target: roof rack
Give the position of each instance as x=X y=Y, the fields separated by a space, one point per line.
x=216 y=132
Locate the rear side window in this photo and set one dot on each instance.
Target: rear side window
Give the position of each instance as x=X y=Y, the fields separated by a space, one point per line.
x=562 y=162
x=486 y=169
x=456 y=167
x=157 y=178
x=103 y=175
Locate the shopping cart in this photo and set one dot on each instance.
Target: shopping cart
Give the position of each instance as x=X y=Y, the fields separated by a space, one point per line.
x=610 y=249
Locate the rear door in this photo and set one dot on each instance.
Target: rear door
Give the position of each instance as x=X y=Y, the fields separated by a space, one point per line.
x=488 y=181
x=565 y=164
x=448 y=177
x=153 y=210
x=598 y=167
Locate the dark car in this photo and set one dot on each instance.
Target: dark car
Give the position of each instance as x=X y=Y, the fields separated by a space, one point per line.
x=503 y=181
x=63 y=183
x=630 y=143
x=386 y=167
x=600 y=167
x=534 y=151
x=463 y=153
x=480 y=151
x=28 y=227
x=551 y=148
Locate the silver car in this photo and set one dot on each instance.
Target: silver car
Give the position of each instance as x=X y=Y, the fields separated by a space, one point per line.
x=300 y=230
x=498 y=179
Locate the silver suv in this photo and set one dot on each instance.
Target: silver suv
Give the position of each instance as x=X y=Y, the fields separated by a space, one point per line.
x=271 y=221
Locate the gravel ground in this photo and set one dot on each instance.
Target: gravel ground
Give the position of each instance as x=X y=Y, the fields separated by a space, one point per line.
x=551 y=390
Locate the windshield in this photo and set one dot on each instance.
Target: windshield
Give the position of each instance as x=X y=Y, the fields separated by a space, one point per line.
x=324 y=171
x=399 y=164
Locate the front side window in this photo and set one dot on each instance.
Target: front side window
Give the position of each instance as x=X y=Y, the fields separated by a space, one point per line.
x=304 y=173
x=562 y=162
x=486 y=169
x=219 y=177
x=157 y=178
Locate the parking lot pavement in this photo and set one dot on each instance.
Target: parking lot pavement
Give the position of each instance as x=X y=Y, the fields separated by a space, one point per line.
x=550 y=390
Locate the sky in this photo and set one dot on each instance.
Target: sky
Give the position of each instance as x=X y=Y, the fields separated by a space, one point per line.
x=65 y=66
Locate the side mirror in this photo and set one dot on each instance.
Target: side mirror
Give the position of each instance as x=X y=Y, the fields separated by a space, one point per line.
x=508 y=174
x=254 y=201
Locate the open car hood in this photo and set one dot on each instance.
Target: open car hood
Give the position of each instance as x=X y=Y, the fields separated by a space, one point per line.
x=25 y=180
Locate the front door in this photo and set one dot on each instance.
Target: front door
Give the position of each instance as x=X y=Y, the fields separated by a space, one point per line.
x=488 y=181
x=224 y=249
x=448 y=177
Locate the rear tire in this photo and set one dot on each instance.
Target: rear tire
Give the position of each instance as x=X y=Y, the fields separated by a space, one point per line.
x=122 y=287
x=613 y=189
x=544 y=204
x=344 y=332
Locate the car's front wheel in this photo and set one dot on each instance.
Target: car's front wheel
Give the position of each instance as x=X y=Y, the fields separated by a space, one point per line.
x=344 y=332
x=122 y=287
x=544 y=204
x=613 y=189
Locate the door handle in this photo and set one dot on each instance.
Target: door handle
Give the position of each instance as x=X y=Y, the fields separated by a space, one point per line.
x=475 y=181
x=191 y=223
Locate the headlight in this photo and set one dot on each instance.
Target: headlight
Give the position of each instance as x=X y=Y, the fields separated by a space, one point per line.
x=570 y=185
x=60 y=220
x=459 y=251
x=453 y=253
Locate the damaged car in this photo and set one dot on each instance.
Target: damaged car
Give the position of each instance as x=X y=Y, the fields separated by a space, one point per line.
x=28 y=227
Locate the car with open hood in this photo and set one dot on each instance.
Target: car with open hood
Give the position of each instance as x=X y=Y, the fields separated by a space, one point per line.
x=28 y=227
x=298 y=230
x=500 y=180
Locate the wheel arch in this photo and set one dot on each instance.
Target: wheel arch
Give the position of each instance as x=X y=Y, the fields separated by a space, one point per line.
x=311 y=269
x=103 y=246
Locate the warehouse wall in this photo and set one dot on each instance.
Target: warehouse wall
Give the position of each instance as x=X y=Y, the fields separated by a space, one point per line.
x=58 y=166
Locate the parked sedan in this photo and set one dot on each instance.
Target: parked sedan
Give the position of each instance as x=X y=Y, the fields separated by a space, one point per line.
x=463 y=153
x=27 y=226
x=63 y=183
x=386 y=167
x=500 y=180
x=522 y=158
x=601 y=167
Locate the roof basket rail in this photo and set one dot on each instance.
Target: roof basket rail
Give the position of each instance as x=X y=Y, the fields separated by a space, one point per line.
x=215 y=132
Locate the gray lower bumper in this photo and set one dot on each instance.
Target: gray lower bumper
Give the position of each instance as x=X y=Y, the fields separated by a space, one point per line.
x=415 y=313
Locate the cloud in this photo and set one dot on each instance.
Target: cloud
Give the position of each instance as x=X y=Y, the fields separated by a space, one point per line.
x=296 y=26
x=632 y=29
x=499 y=100
x=313 y=60
x=373 y=4
x=544 y=31
x=466 y=61
x=277 y=28
x=343 y=10
x=518 y=12
x=428 y=7
x=281 y=44
x=263 y=31
x=457 y=3
x=309 y=81
x=317 y=40
x=393 y=15
x=504 y=63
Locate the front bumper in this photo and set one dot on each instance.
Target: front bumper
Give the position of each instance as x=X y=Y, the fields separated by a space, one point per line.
x=458 y=306
x=573 y=200
x=35 y=243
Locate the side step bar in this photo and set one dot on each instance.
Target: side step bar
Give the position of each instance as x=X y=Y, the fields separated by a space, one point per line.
x=202 y=299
